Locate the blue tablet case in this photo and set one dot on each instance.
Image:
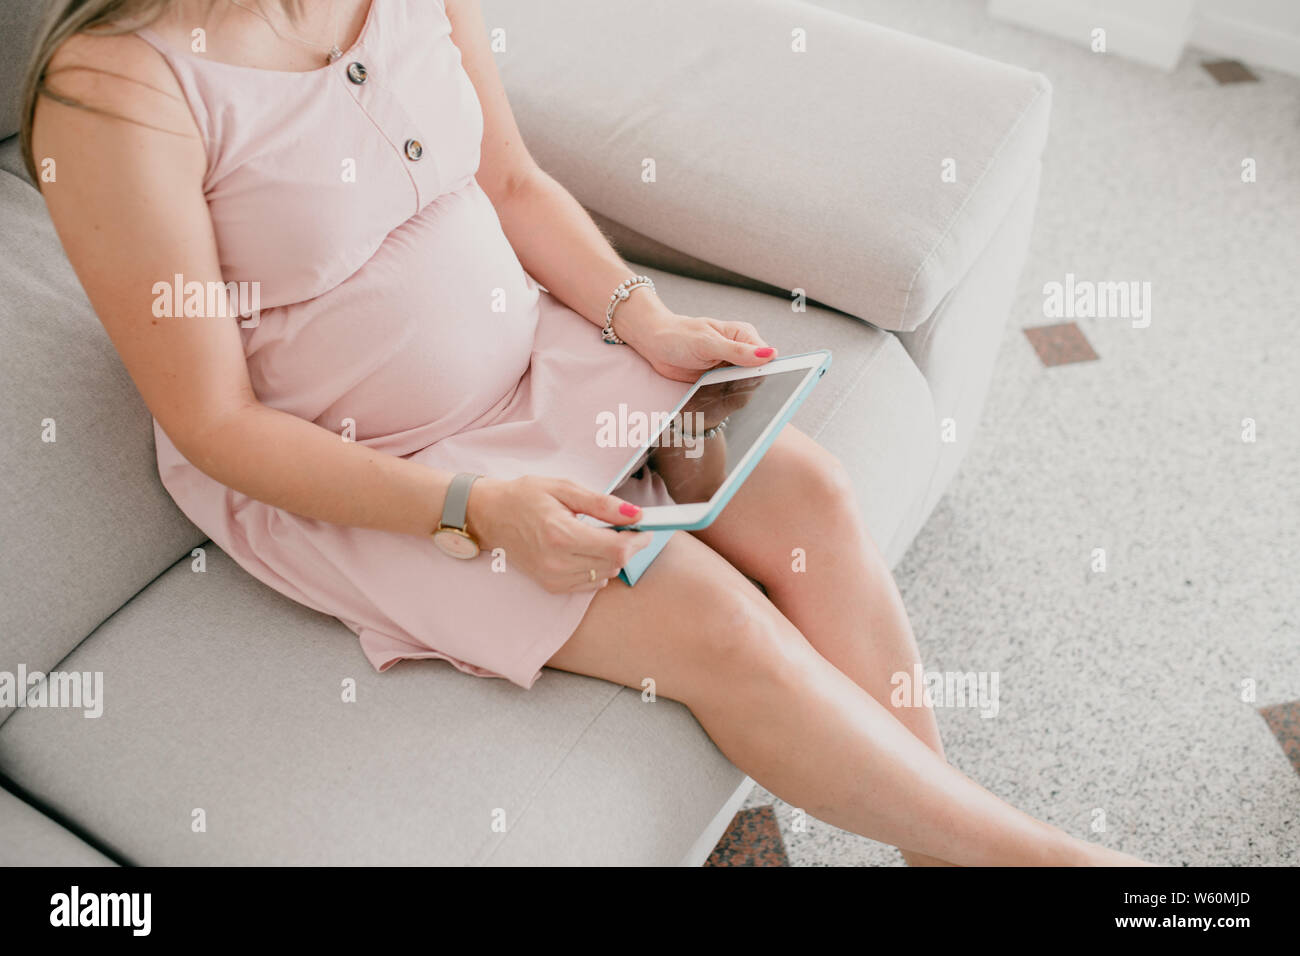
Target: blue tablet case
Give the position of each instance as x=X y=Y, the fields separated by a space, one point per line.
x=645 y=557
x=633 y=570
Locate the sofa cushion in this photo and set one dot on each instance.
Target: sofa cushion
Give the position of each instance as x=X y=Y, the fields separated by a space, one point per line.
x=85 y=520
x=222 y=695
x=30 y=838
x=763 y=164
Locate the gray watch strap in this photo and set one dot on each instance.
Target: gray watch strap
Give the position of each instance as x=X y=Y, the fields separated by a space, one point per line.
x=457 y=500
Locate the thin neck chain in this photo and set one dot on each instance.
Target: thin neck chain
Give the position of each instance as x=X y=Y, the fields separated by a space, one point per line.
x=332 y=54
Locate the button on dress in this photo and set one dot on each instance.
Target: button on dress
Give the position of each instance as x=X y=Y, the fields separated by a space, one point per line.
x=395 y=312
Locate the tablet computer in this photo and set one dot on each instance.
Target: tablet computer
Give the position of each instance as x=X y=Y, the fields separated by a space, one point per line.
x=702 y=451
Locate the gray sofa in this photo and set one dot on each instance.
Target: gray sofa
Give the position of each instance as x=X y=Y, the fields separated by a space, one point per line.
x=775 y=170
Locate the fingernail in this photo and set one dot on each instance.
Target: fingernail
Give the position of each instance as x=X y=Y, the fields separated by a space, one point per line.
x=764 y=352
x=627 y=508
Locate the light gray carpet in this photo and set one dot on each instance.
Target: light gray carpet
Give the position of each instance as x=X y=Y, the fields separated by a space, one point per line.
x=1121 y=691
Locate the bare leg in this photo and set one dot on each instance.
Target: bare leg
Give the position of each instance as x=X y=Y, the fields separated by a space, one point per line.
x=790 y=719
x=843 y=599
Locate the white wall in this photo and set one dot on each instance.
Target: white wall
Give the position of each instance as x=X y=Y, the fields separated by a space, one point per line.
x=1281 y=15
x=1151 y=32
x=1265 y=33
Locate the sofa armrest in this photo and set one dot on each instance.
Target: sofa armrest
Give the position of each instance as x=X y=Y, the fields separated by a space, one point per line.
x=817 y=170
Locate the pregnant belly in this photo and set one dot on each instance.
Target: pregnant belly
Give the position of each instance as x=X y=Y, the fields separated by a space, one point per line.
x=433 y=331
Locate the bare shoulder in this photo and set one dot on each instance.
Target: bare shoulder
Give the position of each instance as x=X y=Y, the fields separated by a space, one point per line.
x=114 y=77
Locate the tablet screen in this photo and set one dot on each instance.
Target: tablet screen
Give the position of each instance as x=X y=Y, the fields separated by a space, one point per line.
x=702 y=445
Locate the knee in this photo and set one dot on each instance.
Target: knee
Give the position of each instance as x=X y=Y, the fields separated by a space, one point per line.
x=826 y=485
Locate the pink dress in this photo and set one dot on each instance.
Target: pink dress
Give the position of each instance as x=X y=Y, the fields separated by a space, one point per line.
x=392 y=305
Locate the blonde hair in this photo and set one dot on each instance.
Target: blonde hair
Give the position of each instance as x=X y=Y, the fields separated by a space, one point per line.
x=67 y=18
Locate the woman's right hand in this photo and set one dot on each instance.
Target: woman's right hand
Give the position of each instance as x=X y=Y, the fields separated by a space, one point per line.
x=534 y=520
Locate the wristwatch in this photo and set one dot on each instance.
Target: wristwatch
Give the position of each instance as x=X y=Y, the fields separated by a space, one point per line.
x=451 y=536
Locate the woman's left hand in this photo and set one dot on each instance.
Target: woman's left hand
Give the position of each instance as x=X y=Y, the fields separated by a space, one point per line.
x=680 y=347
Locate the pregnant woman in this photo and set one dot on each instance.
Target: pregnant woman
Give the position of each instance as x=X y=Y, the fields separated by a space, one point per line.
x=421 y=304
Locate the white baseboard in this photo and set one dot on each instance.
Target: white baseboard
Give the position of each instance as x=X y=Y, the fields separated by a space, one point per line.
x=1252 y=44
x=1157 y=41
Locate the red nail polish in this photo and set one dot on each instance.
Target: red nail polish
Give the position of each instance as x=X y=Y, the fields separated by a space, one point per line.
x=627 y=508
x=764 y=353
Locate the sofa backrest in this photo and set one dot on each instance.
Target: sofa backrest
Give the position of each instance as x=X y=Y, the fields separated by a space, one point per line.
x=85 y=523
x=18 y=22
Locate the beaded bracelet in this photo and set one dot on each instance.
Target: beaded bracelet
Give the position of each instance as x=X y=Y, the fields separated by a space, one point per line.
x=624 y=290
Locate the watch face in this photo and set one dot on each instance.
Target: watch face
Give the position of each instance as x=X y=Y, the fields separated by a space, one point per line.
x=455 y=543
